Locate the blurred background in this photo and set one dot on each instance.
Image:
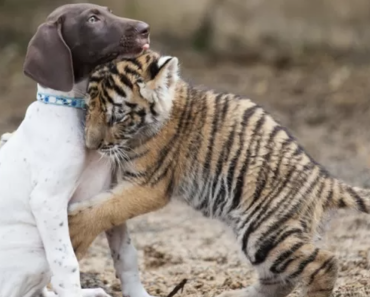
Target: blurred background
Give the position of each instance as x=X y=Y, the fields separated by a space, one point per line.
x=306 y=61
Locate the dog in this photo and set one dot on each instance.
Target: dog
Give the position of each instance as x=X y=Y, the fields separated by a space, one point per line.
x=44 y=164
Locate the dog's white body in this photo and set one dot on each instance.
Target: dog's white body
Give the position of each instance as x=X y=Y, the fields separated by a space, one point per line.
x=43 y=167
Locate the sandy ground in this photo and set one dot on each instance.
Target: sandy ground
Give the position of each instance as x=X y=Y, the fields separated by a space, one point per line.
x=324 y=103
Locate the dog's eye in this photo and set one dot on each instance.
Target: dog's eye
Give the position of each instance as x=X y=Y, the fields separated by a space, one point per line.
x=93 y=19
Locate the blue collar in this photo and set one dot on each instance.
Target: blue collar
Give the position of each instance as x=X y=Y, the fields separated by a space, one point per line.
x=62 y=101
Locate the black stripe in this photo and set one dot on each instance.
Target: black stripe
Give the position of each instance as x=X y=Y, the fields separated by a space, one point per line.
x=162 y=174
x=329 y=198
x=152 y=109
x=270 y=243
x=138 y=155
x=172 y=159
x=243 y=172
x=288 y=208
x=359 y=201
x=215 y=130
x=154 y=69
x=206 y=175
x=171 y=145
x=225 y=108
x=130 y=105
x=107 y=97
x=196 y=144
x=283 y=261
x=327 y=265
x=220 y=199
x=141 y=112
x=129 y=70
x=136 y=62
x=204 y=202
x=263 y=206
x=216 y=119
x=170 y=187
x=130 y=174
x=95 y=79
x=311 y=203
x=121 y=92
x=304 y=264
x=125 y=80
x=248 y=113
x=294 y=207
x=220 y=196
x=262 y=177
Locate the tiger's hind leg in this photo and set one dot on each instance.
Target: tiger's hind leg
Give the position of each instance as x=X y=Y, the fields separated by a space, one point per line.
x=289 y=263
x=261 y=289
x=319 y=269
x=295 y=262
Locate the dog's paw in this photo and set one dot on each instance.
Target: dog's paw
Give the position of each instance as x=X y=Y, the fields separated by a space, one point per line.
x=136 y=292
x=4 y=138
x=47 y=293
x=97 y=292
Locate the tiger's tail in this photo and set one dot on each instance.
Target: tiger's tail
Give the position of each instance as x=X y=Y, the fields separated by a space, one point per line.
x=342 y=195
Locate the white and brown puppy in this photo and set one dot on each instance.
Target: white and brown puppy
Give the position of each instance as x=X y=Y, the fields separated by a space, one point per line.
x=44 y=165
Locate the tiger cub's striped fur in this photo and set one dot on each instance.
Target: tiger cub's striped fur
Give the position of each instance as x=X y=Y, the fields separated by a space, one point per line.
x=223 y=155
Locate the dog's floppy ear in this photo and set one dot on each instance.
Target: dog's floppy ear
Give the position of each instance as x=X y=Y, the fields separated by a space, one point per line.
x=49 y=59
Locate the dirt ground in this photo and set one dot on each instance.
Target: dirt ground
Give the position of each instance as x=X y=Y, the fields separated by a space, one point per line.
x=326 y=105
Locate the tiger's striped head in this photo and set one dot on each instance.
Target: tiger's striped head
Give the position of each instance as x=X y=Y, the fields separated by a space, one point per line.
x=129 y=99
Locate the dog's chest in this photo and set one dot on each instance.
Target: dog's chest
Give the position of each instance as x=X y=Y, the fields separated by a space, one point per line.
x=95 y=178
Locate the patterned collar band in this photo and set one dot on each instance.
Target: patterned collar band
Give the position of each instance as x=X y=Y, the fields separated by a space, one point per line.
x=62 y=101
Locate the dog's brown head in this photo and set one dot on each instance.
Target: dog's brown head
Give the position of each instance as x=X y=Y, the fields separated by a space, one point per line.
x=75 y=39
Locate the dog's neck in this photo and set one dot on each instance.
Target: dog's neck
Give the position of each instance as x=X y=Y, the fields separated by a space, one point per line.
x=78 y=90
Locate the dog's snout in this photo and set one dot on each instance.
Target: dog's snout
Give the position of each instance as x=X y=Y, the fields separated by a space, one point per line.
x=143 y=29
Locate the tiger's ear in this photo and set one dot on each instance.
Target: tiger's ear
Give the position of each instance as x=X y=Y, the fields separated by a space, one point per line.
x=164 y=72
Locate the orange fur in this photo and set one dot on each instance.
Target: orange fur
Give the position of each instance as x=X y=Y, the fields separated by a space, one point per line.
x=223 y=155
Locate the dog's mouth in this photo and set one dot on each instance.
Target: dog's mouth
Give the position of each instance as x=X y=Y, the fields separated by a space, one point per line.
x=141 y=45
x=133 y=54
x=131 y=47
x=124 y=54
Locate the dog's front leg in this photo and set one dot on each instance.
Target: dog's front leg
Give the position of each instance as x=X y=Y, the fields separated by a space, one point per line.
x=124 y=255
x=50 y=212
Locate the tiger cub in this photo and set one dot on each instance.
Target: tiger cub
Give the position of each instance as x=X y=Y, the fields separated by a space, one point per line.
x=223 y=155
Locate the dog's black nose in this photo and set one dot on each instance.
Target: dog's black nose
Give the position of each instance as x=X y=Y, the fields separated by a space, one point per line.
x=143 y=29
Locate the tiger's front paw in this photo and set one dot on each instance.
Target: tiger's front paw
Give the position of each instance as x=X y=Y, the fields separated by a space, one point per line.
x=83 y=227
x=4 y=138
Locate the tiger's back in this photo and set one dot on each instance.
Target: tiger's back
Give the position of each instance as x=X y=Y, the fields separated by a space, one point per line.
x=226 y=157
